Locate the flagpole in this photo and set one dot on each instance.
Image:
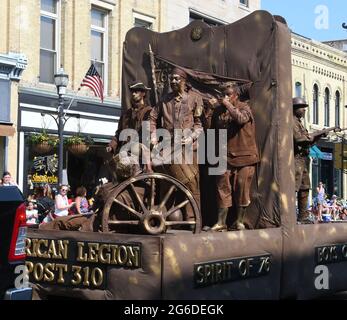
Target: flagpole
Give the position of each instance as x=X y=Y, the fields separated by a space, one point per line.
x=72 y=100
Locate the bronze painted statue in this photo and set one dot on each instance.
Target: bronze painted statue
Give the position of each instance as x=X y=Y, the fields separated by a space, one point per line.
x=233 y=187
x=302 y=143
x=134 y=116
x=180 y=109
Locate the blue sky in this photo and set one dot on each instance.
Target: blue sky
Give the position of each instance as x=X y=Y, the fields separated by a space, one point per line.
x=317 y=19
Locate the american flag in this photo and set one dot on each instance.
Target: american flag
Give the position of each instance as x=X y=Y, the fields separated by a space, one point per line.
x=93 y=81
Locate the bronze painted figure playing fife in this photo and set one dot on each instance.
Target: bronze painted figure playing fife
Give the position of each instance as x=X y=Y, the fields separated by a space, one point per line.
x=233 y=187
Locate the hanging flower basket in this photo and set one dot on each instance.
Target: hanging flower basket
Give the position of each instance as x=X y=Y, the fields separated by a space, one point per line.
x=42 y=143
x=77 y=144
x=78 y=149
x=42 y=147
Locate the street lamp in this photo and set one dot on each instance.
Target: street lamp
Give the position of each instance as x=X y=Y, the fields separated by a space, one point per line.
x=61 y=80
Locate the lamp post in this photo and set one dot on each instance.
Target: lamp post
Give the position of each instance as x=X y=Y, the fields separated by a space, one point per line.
x=61 y=80
x=343 y=143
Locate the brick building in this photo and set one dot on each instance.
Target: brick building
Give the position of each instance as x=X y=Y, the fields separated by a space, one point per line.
x=39 y=36
x=319 y=74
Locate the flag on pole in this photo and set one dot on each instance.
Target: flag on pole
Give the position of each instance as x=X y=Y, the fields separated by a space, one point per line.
x=93 y=81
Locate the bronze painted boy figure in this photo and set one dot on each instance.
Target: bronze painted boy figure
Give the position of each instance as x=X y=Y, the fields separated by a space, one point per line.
x=233 y=187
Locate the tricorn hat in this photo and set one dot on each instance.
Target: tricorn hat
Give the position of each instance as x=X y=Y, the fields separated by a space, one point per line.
x=139 y=86
x=179 y=72
x=299 y=102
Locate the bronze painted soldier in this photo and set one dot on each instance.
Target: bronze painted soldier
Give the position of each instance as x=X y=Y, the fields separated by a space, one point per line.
x=233 y=187
x=180 y=109
x=302 y=143
x=134 y=116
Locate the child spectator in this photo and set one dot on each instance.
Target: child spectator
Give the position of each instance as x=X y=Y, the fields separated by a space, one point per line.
x=32 y=215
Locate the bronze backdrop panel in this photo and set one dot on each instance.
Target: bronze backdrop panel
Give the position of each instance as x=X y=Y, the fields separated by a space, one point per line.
x=255 y=48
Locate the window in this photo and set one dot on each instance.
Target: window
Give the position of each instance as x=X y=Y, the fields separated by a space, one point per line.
x=143 y=24
x=327 y=107
x=99 y=42
x=143 y=21
x=5 y=101
x=210 y=21
x=244 y=2
x=315 y=104
x=337 y=109
x=298 y=89
x=2 y=153
x=49 y=40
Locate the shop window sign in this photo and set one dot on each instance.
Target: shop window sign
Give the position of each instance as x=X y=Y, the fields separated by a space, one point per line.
x=327 y=156
x=44 y=169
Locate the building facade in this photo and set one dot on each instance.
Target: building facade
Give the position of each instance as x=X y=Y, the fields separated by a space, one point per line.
x=11 y=68
x=40 y=36
x=320 y=75
x=338 y=44
x=179 y=13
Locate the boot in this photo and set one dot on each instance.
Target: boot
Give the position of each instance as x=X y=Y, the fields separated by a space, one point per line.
x=241 y=212
x=222 y=219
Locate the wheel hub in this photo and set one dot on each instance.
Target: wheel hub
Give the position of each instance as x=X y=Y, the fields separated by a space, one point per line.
x=153 y=222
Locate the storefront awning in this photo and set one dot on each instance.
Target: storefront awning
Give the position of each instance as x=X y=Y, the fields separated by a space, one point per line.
x=6 y=130
x=316 y=153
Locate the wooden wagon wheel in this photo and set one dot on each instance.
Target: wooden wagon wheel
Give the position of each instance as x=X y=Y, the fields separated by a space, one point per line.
x=147 y=211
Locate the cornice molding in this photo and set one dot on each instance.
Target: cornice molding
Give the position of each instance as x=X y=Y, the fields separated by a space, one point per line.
x=12 y=66
x=314 y=58
x=318 y=45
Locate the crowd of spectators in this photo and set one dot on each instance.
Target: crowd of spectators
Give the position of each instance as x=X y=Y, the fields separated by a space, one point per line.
x=325 y=209
x=43 y=206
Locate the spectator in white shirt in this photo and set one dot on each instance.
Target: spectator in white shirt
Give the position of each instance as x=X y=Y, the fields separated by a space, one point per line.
x=62 y=205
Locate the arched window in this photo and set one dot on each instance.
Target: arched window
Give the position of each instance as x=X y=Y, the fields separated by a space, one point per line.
x=315 y=104
x=298 y=89
x=327 y=107
x=337 y=109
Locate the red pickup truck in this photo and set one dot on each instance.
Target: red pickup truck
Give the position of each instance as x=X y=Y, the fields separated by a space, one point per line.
x=13 y=284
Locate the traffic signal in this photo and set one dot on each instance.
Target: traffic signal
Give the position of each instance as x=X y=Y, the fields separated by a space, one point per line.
x=338 y=156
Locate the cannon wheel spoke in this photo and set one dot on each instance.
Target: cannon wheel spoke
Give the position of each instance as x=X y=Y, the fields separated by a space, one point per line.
x=177 y=223
x=118 y=222
x=139 y=200
x=167 y=196
x=175 y=208
x=133 y=211
x=152 y=194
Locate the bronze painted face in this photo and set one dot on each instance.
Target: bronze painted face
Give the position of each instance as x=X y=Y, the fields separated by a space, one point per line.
x=300 y=111
x=231 y=94
x=177 y=82
x=137 y=96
